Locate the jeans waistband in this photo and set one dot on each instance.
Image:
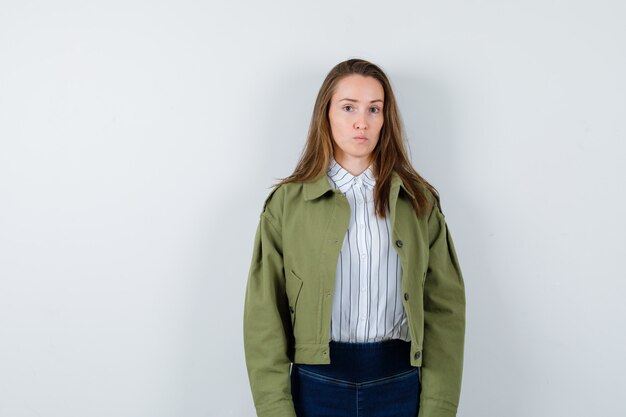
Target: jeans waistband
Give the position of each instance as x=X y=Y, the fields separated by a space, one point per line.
x=364 y=361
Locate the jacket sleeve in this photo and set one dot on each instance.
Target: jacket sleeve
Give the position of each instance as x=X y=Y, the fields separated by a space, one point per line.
x=267 y=324
x=444 y=323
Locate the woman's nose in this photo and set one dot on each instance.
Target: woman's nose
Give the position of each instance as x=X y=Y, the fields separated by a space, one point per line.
x=360 y=123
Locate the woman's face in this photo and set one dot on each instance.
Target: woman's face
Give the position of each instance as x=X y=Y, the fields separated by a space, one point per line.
x=356 y=116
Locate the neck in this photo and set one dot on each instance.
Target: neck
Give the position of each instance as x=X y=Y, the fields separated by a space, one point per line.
x=354 y=165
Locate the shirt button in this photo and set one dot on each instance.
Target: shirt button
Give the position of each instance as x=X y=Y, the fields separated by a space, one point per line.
x=363 y=289
x=417 y=355
x=363 y=256
x=406 y=295
x=399 y=243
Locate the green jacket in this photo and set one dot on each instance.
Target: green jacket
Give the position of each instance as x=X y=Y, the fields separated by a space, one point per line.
x=289 y=293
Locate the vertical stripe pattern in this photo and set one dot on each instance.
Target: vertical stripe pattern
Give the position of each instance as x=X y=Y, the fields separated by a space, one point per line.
x=367 y=303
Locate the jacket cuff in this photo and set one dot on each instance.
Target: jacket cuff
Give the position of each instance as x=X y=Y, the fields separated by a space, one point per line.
x=436 y=408
x=282 y=409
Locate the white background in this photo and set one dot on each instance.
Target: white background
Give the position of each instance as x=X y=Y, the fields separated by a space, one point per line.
x=138 y=140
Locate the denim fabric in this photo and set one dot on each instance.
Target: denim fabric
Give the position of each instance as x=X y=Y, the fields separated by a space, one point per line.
x=372 y=379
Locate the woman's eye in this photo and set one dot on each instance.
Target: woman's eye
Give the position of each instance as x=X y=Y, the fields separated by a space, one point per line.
x=374 y=109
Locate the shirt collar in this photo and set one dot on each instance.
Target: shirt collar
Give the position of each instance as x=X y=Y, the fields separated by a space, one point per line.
x=320 y=186
x=344 y=180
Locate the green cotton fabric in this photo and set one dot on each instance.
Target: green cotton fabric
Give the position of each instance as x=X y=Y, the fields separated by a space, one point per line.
x=289 y=292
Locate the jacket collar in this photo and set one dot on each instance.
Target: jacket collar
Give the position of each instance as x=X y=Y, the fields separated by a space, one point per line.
x=321 y=186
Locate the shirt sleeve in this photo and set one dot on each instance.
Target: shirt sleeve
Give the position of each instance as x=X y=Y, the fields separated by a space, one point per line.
x=267 y=334
x=444 y=323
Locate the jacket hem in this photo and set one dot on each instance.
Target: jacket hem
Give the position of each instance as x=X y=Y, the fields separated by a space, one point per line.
x=319 y=354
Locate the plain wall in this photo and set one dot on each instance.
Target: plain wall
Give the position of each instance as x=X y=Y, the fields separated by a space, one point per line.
x=139 y=139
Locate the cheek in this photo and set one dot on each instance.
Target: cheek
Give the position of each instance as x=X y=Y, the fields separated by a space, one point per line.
x=339 y=122
x=378 y=123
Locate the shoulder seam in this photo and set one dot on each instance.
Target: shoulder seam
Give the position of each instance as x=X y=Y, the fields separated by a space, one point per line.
x=266 y=211
x=270 y=219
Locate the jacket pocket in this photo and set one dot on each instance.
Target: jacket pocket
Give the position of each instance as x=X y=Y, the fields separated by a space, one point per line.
x=293 y=287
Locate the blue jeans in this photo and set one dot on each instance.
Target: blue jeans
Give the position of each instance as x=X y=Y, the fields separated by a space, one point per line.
x=372 y=379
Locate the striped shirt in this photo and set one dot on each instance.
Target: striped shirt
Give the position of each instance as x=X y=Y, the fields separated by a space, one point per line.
x=367 y=304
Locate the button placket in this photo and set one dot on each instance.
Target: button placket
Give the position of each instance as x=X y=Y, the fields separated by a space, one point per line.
x=363 y=293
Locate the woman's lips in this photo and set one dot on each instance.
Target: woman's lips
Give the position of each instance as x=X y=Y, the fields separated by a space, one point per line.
x=360 y=139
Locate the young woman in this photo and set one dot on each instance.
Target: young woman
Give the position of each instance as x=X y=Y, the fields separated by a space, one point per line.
x=355 y=301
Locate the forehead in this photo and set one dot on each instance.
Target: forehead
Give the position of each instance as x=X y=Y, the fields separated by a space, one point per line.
x=359 y=87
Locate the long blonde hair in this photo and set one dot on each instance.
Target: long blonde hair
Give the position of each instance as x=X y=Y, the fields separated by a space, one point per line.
x=390 y=153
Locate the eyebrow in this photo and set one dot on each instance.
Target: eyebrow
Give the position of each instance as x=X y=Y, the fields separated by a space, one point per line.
x=356 y=101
